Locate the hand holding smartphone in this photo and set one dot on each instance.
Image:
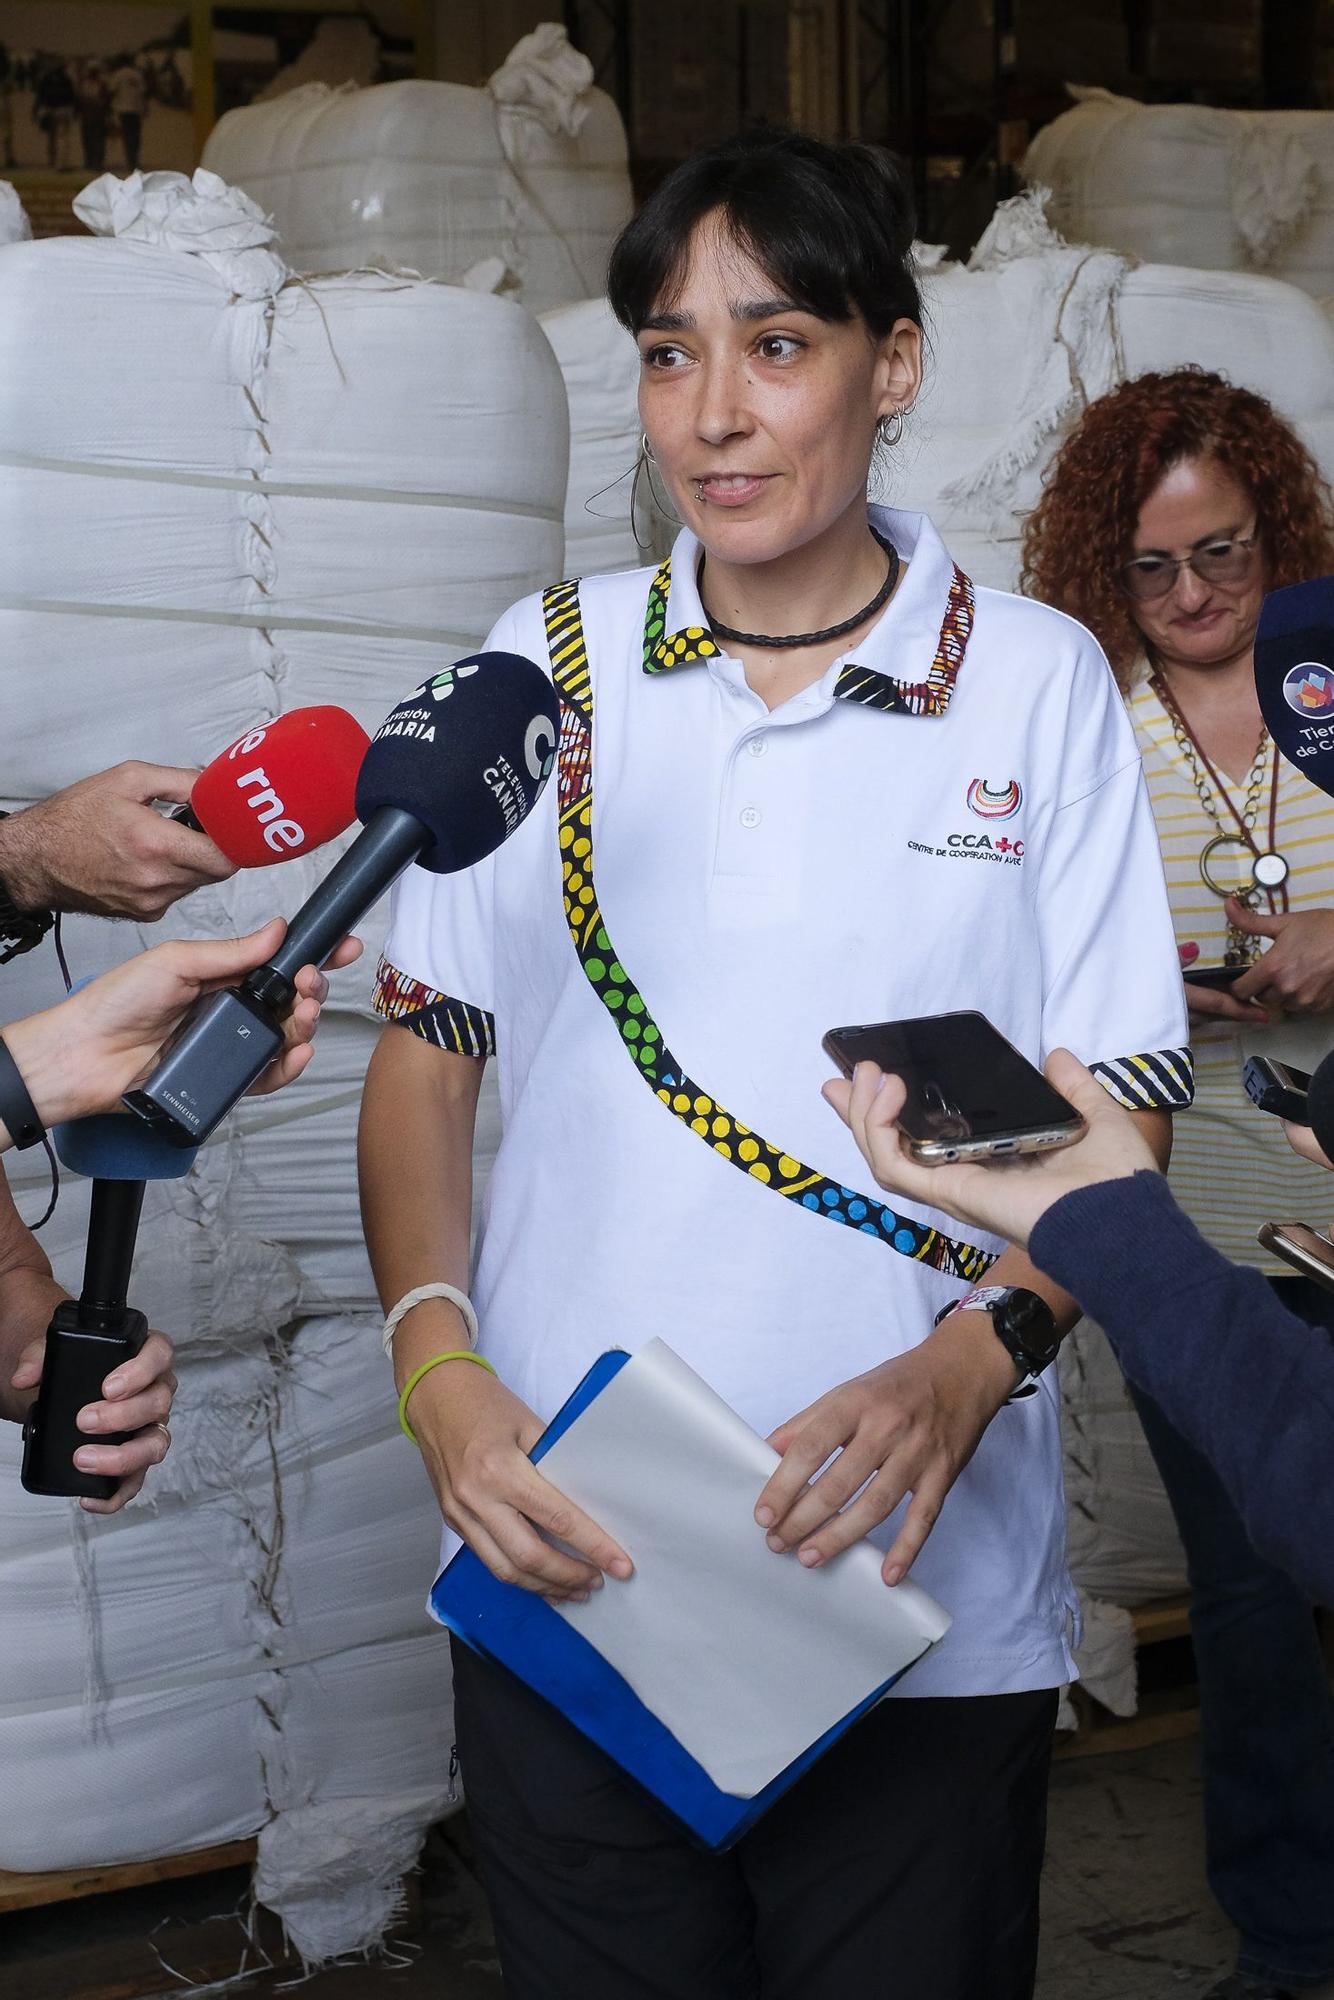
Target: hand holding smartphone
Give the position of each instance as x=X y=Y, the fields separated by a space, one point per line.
x=1217 y=978
x=1303 y=1247
x=971 y=1094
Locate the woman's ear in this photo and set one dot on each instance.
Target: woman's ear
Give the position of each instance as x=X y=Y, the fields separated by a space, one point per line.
x=899 y=367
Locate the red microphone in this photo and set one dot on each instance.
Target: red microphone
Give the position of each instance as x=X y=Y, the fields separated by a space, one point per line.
x=282 y=789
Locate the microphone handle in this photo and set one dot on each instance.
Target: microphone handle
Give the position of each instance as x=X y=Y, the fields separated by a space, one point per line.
x=113 y=1226
x=390 y=839
x=232 y=1037
x=184 y=816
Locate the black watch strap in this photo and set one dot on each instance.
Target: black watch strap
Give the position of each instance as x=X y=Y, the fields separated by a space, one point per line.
x=20 y=929
x=17 y=1109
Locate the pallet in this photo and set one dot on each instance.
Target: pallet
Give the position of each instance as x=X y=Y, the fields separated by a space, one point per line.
x=66 y=1885
x=1165 y=1717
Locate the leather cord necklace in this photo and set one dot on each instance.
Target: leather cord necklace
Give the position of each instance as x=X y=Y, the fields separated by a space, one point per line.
x=808 y=638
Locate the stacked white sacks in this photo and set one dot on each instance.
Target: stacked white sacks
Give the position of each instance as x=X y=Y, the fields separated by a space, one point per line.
x=1189 y=184
x=225 y=493
x=437 y=178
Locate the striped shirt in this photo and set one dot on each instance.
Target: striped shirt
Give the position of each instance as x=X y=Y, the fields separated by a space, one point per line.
x=1232 y=1168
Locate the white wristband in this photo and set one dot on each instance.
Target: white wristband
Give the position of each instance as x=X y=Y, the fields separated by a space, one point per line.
x=438 y=1291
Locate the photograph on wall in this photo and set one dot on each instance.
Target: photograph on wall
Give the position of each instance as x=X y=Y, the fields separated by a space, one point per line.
x=88 y=89
x=259 y=54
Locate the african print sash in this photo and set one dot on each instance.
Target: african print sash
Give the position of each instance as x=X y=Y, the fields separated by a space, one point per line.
x=640 y=1035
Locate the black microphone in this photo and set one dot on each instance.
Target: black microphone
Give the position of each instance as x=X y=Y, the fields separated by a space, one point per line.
x=451 y=773
x=91 y=1335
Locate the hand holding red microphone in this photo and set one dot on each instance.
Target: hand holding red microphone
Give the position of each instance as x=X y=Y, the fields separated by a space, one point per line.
x=282 y=789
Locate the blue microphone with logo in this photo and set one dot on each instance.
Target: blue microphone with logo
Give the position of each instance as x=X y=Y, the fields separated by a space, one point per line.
x=451 y=773
x=1294 y=679
x=90 y=1336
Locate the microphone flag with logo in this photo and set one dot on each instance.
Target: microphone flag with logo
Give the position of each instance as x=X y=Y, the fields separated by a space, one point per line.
x=453 y=771
x=1294 y=675
x=1294 y=679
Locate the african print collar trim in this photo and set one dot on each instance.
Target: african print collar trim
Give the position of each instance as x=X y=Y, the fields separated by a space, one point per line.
x=669 y=646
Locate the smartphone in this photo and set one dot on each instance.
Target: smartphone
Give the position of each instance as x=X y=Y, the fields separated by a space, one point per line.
x=971 y=1095
x=1274 y=1087
x=1217 y=977
x=1303 y=1247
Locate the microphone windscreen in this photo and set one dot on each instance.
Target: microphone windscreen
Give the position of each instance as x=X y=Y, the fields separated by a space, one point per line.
x=283 y=788
x=468 y=755
x=1294 y=675
x=114 y=1146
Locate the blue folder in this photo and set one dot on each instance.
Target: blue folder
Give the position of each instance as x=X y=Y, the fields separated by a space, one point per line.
x=521 y=1632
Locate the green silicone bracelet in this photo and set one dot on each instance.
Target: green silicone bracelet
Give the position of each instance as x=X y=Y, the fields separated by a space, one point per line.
x=455 y=1354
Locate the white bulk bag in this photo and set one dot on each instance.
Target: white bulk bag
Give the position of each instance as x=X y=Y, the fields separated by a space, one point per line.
x=435 y=177
x=314 y=495
x=14 y=224
x=289 y=494
x=258 y=1628
x=1188 y=184
x=599 y=361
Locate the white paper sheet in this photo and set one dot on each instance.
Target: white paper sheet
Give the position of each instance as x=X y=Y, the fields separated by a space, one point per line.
x=745 y=1656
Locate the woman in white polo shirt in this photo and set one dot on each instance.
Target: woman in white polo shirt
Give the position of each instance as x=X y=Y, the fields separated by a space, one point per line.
x=808 y=774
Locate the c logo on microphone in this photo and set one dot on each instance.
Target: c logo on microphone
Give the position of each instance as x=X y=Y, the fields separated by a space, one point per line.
x=1308 y=689
x=539 y=747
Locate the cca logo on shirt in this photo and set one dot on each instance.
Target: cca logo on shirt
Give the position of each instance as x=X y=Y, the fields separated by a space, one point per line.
x=1308 y=688
x=994 y=801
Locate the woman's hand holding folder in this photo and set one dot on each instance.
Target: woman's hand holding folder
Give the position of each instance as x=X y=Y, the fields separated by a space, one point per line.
x=475 y=1436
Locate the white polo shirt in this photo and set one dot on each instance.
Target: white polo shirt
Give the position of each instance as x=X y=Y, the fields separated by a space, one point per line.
x=952 y=817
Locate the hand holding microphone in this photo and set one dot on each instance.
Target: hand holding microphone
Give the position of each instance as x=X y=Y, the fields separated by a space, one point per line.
x=453 y=771
x=104 y=1383
x=82 y=1055
x=98 y=846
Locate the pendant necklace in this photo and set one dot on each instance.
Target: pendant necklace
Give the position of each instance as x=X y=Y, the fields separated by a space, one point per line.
x=1269 y=868
x=807 y=638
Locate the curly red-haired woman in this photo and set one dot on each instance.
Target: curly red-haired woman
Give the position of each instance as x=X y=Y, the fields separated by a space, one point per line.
x=1175 y=504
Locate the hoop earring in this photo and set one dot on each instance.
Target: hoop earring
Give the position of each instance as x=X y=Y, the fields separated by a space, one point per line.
x=889 y=428
x=644 y=470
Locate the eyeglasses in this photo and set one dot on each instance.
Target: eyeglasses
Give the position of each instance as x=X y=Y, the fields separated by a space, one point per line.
x=1218 y=562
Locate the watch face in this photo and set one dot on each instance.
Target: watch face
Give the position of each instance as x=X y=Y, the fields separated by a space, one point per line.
x=1031 y=1325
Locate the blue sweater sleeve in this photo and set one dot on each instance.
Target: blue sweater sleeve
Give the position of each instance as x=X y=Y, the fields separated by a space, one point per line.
x=1246 y=1382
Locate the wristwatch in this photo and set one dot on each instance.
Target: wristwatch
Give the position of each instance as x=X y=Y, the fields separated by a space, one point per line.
x=20 y=929
x=1025 y=1326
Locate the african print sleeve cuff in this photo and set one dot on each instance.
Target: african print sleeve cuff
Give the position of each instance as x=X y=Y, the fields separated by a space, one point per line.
x=450 y=1024
x=1162 y=1080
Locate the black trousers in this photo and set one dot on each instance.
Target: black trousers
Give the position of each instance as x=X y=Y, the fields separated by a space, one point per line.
x=903 y=1866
